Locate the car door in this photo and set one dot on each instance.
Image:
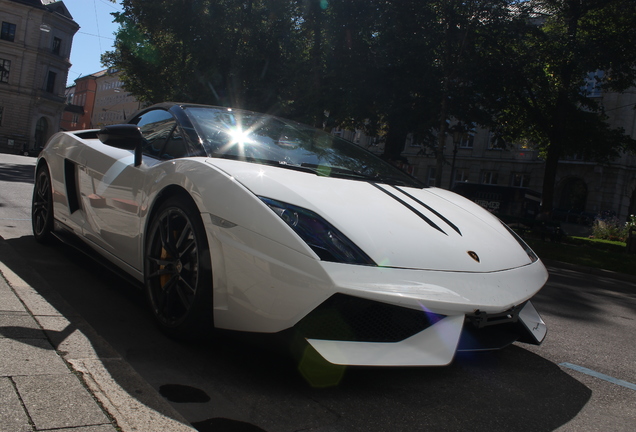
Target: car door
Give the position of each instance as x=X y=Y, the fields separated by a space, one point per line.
x=112 y=189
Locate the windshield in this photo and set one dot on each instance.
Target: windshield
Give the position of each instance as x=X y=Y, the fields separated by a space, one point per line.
x=264 y=139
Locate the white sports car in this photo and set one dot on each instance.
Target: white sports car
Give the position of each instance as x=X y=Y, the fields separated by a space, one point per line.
x=250 y=222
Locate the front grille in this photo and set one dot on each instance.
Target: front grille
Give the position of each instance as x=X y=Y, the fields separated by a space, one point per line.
x=493 y=337
x=347 y=318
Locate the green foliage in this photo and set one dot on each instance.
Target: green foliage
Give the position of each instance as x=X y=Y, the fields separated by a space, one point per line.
x=611 y=228
x=222 y=52
x=608 y=229
x=392 y=66
x=548 y=65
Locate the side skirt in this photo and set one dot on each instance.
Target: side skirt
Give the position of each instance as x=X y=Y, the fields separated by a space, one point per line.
x=69 y=238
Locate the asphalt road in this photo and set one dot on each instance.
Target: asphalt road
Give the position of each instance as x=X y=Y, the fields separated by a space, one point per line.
x=583 y=378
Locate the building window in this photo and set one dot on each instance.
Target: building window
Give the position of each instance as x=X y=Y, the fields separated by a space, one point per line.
x=57 y=45
x=41 y=131
x=489 y=177
x=461 y=175
x=50 y=82
x=467 y=141
x=575 y=157
x=431 y=176
x=8 y=32
x=5 y=66
x=520 y=180
x=496 y=143
x=1 y=114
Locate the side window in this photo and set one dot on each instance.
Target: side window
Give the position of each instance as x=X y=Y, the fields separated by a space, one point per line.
x=176 y=147
x=156 y=127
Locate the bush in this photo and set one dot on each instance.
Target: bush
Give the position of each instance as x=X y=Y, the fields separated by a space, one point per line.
x=610 y=228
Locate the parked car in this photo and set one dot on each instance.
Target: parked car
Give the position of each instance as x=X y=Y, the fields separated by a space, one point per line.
x=250 y=222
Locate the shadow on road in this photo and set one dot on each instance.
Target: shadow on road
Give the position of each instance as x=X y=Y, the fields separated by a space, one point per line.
x=575 y=296
x=254 y=378
x=17 y=173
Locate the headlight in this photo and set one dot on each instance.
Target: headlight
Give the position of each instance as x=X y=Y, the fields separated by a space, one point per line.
x=322 y=237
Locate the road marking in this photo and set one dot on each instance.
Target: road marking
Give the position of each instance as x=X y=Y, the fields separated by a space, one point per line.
x=599 y=375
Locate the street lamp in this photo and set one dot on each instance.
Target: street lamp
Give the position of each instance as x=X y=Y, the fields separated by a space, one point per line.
x=458 y=132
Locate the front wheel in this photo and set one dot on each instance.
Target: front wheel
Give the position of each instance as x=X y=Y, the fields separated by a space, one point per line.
x=42 y=206
x=178 y=274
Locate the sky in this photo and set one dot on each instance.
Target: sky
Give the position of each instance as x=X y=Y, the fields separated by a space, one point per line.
x=95 y=36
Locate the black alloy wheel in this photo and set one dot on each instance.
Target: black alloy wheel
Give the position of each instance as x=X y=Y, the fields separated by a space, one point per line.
x=42 y=206
x=178 y=272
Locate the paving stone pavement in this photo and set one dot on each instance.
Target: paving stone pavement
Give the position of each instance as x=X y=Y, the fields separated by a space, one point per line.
x=58 y=374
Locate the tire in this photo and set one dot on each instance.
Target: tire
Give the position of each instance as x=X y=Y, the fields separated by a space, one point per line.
x=178 y=275
x=42 y=206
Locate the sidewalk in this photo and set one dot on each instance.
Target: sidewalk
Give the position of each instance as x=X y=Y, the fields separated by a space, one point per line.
x=57 y=373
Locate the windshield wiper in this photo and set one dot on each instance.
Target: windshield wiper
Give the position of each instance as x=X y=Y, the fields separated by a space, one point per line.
x=348 y=173
x=329 y=171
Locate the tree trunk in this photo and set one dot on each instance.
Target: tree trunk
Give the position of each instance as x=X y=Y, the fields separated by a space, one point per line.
x=316 y=63
x=396 y=137
x=557 y=136
x=549 y=178
x=441 y=141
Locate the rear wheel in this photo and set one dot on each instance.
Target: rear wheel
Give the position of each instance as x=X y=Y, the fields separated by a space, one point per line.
x=178 y=274
x=42 y=206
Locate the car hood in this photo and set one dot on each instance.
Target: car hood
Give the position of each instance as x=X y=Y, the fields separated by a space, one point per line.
x=400 y=227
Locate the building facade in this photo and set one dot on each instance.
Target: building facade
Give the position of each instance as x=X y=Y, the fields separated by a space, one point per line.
x=97 y=100
x=35 y=47
x=113 y=105
x=81 y=99
x=583 y=190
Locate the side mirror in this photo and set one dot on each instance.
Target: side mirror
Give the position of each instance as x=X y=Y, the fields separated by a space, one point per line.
x=123 y=136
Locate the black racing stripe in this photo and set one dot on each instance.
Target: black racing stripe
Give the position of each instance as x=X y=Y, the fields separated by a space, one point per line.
x=452 y=225
x=410 y=207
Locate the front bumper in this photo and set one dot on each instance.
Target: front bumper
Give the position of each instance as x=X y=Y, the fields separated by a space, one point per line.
x=435 y=345
x=267 y=287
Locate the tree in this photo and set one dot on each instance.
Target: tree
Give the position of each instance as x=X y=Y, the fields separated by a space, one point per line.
x=393 y=67
x=541 y=96
x=432 y=70
x=351 y=67
x=461 y=71
x=223 y=52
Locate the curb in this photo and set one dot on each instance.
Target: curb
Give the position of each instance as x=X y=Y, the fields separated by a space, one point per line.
x=125 y=397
